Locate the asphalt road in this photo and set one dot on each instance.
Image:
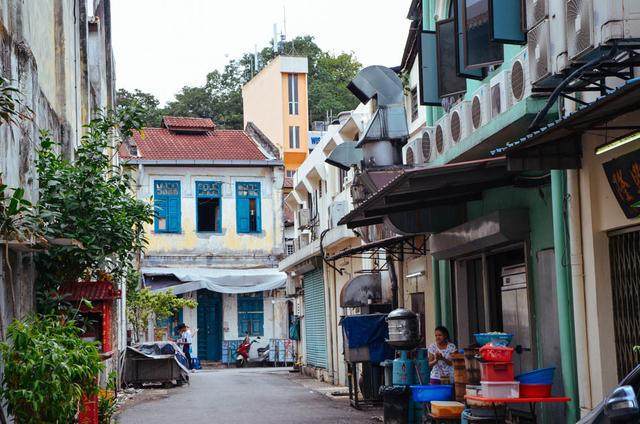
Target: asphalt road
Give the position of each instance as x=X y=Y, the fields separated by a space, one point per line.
x=242 y=396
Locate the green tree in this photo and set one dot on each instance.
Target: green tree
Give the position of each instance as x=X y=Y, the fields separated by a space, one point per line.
x=149 y=105
x=146 y=304
x=221 y=97
x=90 y=200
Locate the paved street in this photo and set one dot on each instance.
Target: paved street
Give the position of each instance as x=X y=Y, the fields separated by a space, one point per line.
x=246 y=396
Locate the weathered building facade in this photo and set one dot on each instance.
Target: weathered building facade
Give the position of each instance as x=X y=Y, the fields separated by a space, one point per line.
x=218 y=231
x=58 y=55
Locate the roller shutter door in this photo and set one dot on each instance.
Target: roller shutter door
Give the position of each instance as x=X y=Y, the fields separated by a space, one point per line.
x=314 y=319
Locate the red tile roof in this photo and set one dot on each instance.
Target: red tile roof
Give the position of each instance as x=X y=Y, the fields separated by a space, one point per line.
x=89 y=290
x=167 y=144
x=177 y=122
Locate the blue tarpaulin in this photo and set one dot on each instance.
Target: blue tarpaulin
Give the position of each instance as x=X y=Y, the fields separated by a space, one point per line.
x=368 y=330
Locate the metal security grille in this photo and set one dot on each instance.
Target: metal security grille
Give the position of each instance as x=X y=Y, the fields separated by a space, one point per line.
x=624 y=249
x=314 y=319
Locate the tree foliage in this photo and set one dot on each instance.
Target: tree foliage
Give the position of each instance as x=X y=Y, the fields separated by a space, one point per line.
x=221 y=96
x=47 y=369
x=90 y=200
x=146 y=103
x=146 y=304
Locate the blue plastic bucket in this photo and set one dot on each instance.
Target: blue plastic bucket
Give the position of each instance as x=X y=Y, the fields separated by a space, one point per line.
x=539 y=376
x=432 y=392
x=495 y=338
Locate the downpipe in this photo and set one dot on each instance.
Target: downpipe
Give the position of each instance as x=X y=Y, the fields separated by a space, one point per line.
x=577 y=285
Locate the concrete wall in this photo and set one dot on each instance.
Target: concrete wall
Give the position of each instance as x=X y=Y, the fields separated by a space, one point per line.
x=228 y=247
x=600 y=213
x=262 y=102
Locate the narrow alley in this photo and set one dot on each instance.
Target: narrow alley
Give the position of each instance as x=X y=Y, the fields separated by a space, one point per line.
x=260 y=395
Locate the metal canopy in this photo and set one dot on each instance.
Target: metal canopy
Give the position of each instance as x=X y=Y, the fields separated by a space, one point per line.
x=557 y=145
x=497 y=228
x=361 y=290
x=392 y=245
x=432 y=189
x=345 y=155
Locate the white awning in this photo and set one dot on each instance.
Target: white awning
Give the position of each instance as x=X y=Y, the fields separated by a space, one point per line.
x=218 y=280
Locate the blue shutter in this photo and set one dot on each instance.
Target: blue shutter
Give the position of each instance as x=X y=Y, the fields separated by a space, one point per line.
x=506 y=19
x=242 y=214
x=167 y=205
x=258 y=215
x=250 y=314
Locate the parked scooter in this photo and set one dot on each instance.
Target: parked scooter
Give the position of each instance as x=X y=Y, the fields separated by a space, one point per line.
x=248 y=355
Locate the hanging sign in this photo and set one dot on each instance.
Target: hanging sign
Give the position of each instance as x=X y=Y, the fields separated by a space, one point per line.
x=623 y=174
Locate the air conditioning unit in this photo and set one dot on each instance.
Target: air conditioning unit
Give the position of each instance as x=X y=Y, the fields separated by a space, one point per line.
x=536 y=11
x=291 y=286
x=592 y=23
x=499 y=91
x=460 y=126
x=412 y=153
x=519 y=82
x=480 y=107
x=303 y=240
x=304 y=217
x=442 y=135
x=336 y=211
x=426 y=144
x=538 y=49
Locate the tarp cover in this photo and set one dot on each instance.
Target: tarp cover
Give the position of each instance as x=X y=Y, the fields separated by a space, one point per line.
x=220 y=280
x=368 y=330
x=160 y=349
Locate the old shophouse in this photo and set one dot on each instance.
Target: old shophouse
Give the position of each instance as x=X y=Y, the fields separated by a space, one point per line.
x=502 y=193
x=218 y=232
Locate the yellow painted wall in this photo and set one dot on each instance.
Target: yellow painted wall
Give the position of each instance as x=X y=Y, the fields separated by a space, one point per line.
x=262 y=100
x=229 y=243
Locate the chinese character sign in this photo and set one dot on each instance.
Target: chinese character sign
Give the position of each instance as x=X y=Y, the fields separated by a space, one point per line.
x=623 y=174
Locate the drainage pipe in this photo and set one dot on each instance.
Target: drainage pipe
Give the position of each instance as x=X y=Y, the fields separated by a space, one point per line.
x=437 y=299
x=563 y=292
x=577 y=284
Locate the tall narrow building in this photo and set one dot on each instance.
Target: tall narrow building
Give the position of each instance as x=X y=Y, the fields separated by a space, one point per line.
x=276 y=101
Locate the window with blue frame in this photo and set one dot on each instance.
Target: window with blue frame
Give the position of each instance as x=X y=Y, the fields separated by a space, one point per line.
x=248 y=207
x=166 y=200
x=250 y=314
x=209 y=206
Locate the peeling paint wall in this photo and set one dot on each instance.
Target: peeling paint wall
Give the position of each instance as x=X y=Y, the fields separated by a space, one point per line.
x=227 y=248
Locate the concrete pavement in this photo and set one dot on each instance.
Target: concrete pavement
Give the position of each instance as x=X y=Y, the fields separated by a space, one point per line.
x=239 y=396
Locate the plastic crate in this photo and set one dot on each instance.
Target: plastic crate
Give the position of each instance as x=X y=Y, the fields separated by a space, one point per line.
x=490 y=353
x=500 y=389
x=497 y=371
x=432 y=392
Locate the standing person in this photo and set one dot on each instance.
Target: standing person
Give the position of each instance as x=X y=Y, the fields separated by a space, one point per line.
x=440 y=357
x=186 y=338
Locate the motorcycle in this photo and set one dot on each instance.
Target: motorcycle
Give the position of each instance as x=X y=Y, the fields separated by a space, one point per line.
x=246 y=355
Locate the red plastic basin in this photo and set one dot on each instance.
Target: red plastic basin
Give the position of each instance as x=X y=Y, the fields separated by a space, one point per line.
x=535 y=390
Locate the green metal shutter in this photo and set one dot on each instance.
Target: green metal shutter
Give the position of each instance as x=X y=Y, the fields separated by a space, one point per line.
x=314 y=319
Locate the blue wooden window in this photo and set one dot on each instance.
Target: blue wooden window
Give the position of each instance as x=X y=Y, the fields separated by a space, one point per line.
x=166 y=199
x=250 y=314
x=248 y=208
x=209 y=206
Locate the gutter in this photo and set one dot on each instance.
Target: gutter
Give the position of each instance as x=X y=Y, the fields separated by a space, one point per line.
x=202 y=162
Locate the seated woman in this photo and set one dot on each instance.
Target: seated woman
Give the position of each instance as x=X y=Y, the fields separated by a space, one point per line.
x=440 y=357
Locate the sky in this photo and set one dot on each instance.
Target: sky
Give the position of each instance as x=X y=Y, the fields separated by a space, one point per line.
x=161 y=46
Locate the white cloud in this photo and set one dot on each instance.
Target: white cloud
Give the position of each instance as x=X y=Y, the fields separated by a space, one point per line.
x=162 y=45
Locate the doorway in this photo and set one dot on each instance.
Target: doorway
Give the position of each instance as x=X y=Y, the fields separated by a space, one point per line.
x=209 y=325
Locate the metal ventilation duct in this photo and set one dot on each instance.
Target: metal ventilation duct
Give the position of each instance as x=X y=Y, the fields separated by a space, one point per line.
x=361 y=290
x=387 y=131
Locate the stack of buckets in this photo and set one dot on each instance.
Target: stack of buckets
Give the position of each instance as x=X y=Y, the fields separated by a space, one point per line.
x=409 y=372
